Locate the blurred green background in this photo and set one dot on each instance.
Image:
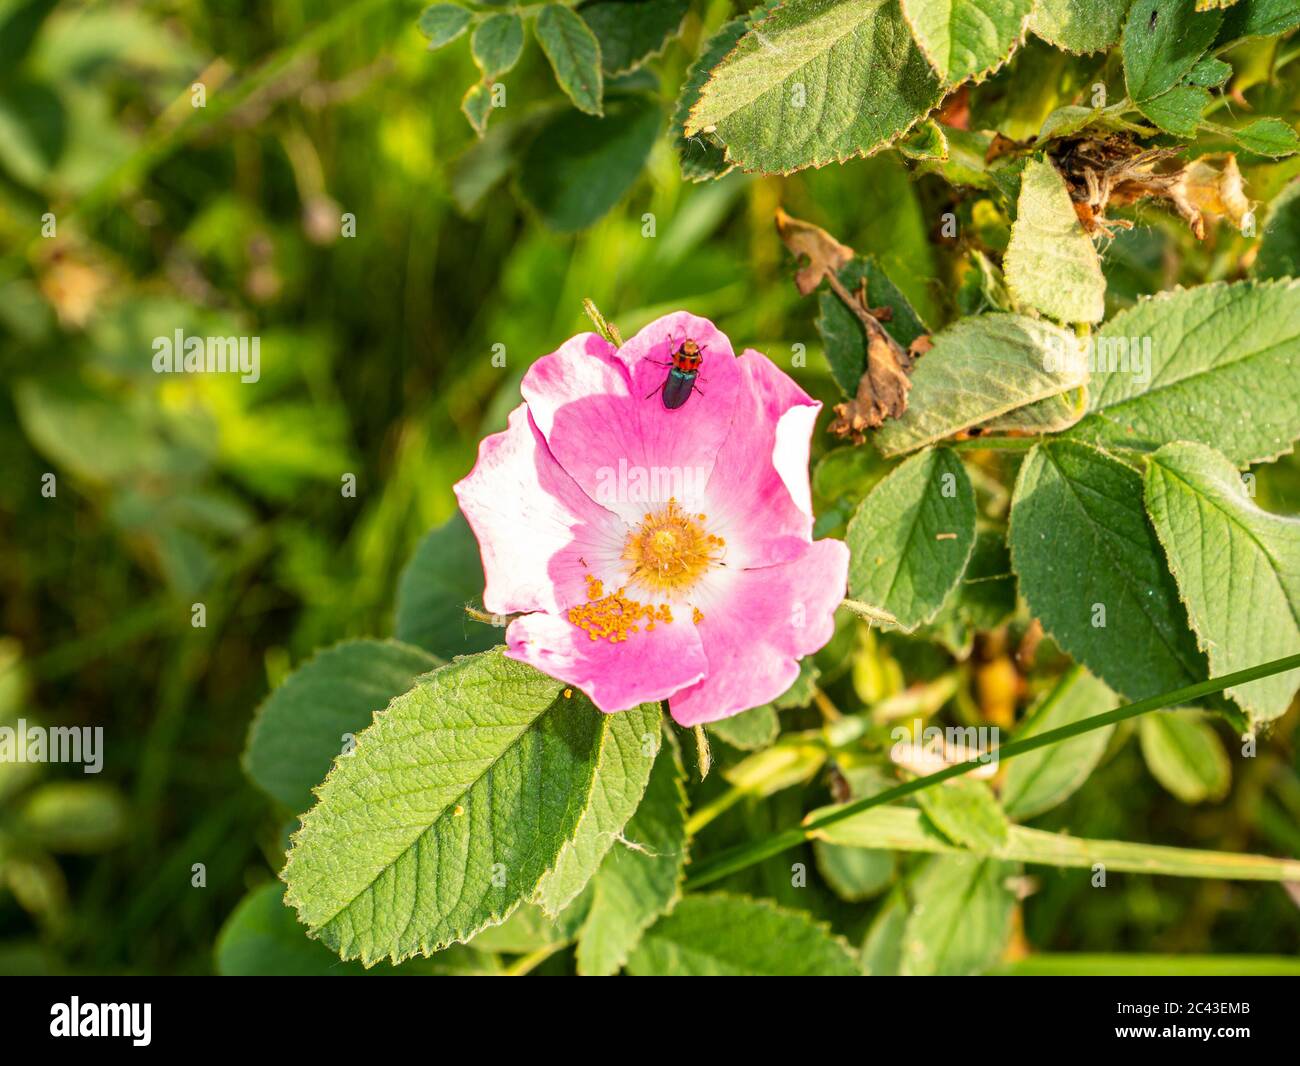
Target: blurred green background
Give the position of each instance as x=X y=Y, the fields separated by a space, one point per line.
x=377 y=361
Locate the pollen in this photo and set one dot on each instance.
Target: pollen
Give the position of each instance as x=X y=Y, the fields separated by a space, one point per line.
x=616 y=616
x=670 y=550
x=697 y=616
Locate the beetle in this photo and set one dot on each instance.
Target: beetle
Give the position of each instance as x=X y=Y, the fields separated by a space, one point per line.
x=687 y=358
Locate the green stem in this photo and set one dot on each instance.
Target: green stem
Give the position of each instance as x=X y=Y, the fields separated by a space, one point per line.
x=527 y=963
x=743 y=856
x=710 y=811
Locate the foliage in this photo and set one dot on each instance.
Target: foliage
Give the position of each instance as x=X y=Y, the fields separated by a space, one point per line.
x=1077 y=232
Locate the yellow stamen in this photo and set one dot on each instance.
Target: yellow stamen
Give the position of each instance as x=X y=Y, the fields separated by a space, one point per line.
x=671 y=550
x=614 y=617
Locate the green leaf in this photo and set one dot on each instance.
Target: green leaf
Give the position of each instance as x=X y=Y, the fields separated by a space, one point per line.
x=718 y=935
x=1079 y=25
x=1210 y=73
x=911 y=537
x=1203 y=365
x=1163 y=40
x=1052 y=415
x=1279 y=242
x=1258 y=18
x=632 y=31
x=982 y=287
x=443 y=23
x=966 y=812
x=308 y=720
x=627 y=754
x=927 y=142
x=750 y=730
x=1051 y=264
x=1075 y=118
x=497 y=44
x=961 y=916
x=1093 y=572
x=262 y=938
x=967 y=38
x=854 y=874
x=979 y=370
x=641 y=877
x=903 y=829
x=476 y=105
x=965 y=163
x=1268 y=137
x=449 y=812
x=1237 y=567
x=1185 y=755
x=843 y=338
x=1179 y=110
x=984 y=598
x=443 y=576
x=857 y=874
x=578 y=167
x=528 y=929
x=789 y=94
x=702 y=156
x=1039 y=780
x=574 y=54
x=882 y=947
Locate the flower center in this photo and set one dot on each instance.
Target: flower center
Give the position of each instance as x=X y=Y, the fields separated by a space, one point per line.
x=670 y=550
x=668 y=553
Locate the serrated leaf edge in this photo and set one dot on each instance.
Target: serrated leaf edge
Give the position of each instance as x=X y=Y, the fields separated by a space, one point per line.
x=977 y=77
x=1203 y=642
x=860 y=153
x=425 y=950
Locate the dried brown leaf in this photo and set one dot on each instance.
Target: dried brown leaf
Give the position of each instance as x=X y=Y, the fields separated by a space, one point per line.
x=824 y=253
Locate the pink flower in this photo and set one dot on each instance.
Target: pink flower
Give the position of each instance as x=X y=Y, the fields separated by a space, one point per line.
x=657 y=553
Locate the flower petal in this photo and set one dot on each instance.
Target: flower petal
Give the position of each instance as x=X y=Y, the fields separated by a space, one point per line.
x=603 y=420
x=647 y=666
x=758 y=625
x=758 y=497
x=539 y=534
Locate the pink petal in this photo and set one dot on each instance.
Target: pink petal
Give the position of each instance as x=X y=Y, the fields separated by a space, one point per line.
x=647 y=666
x=603 y=420
x=756 y=627
x=758 y=498
x=538 y=533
